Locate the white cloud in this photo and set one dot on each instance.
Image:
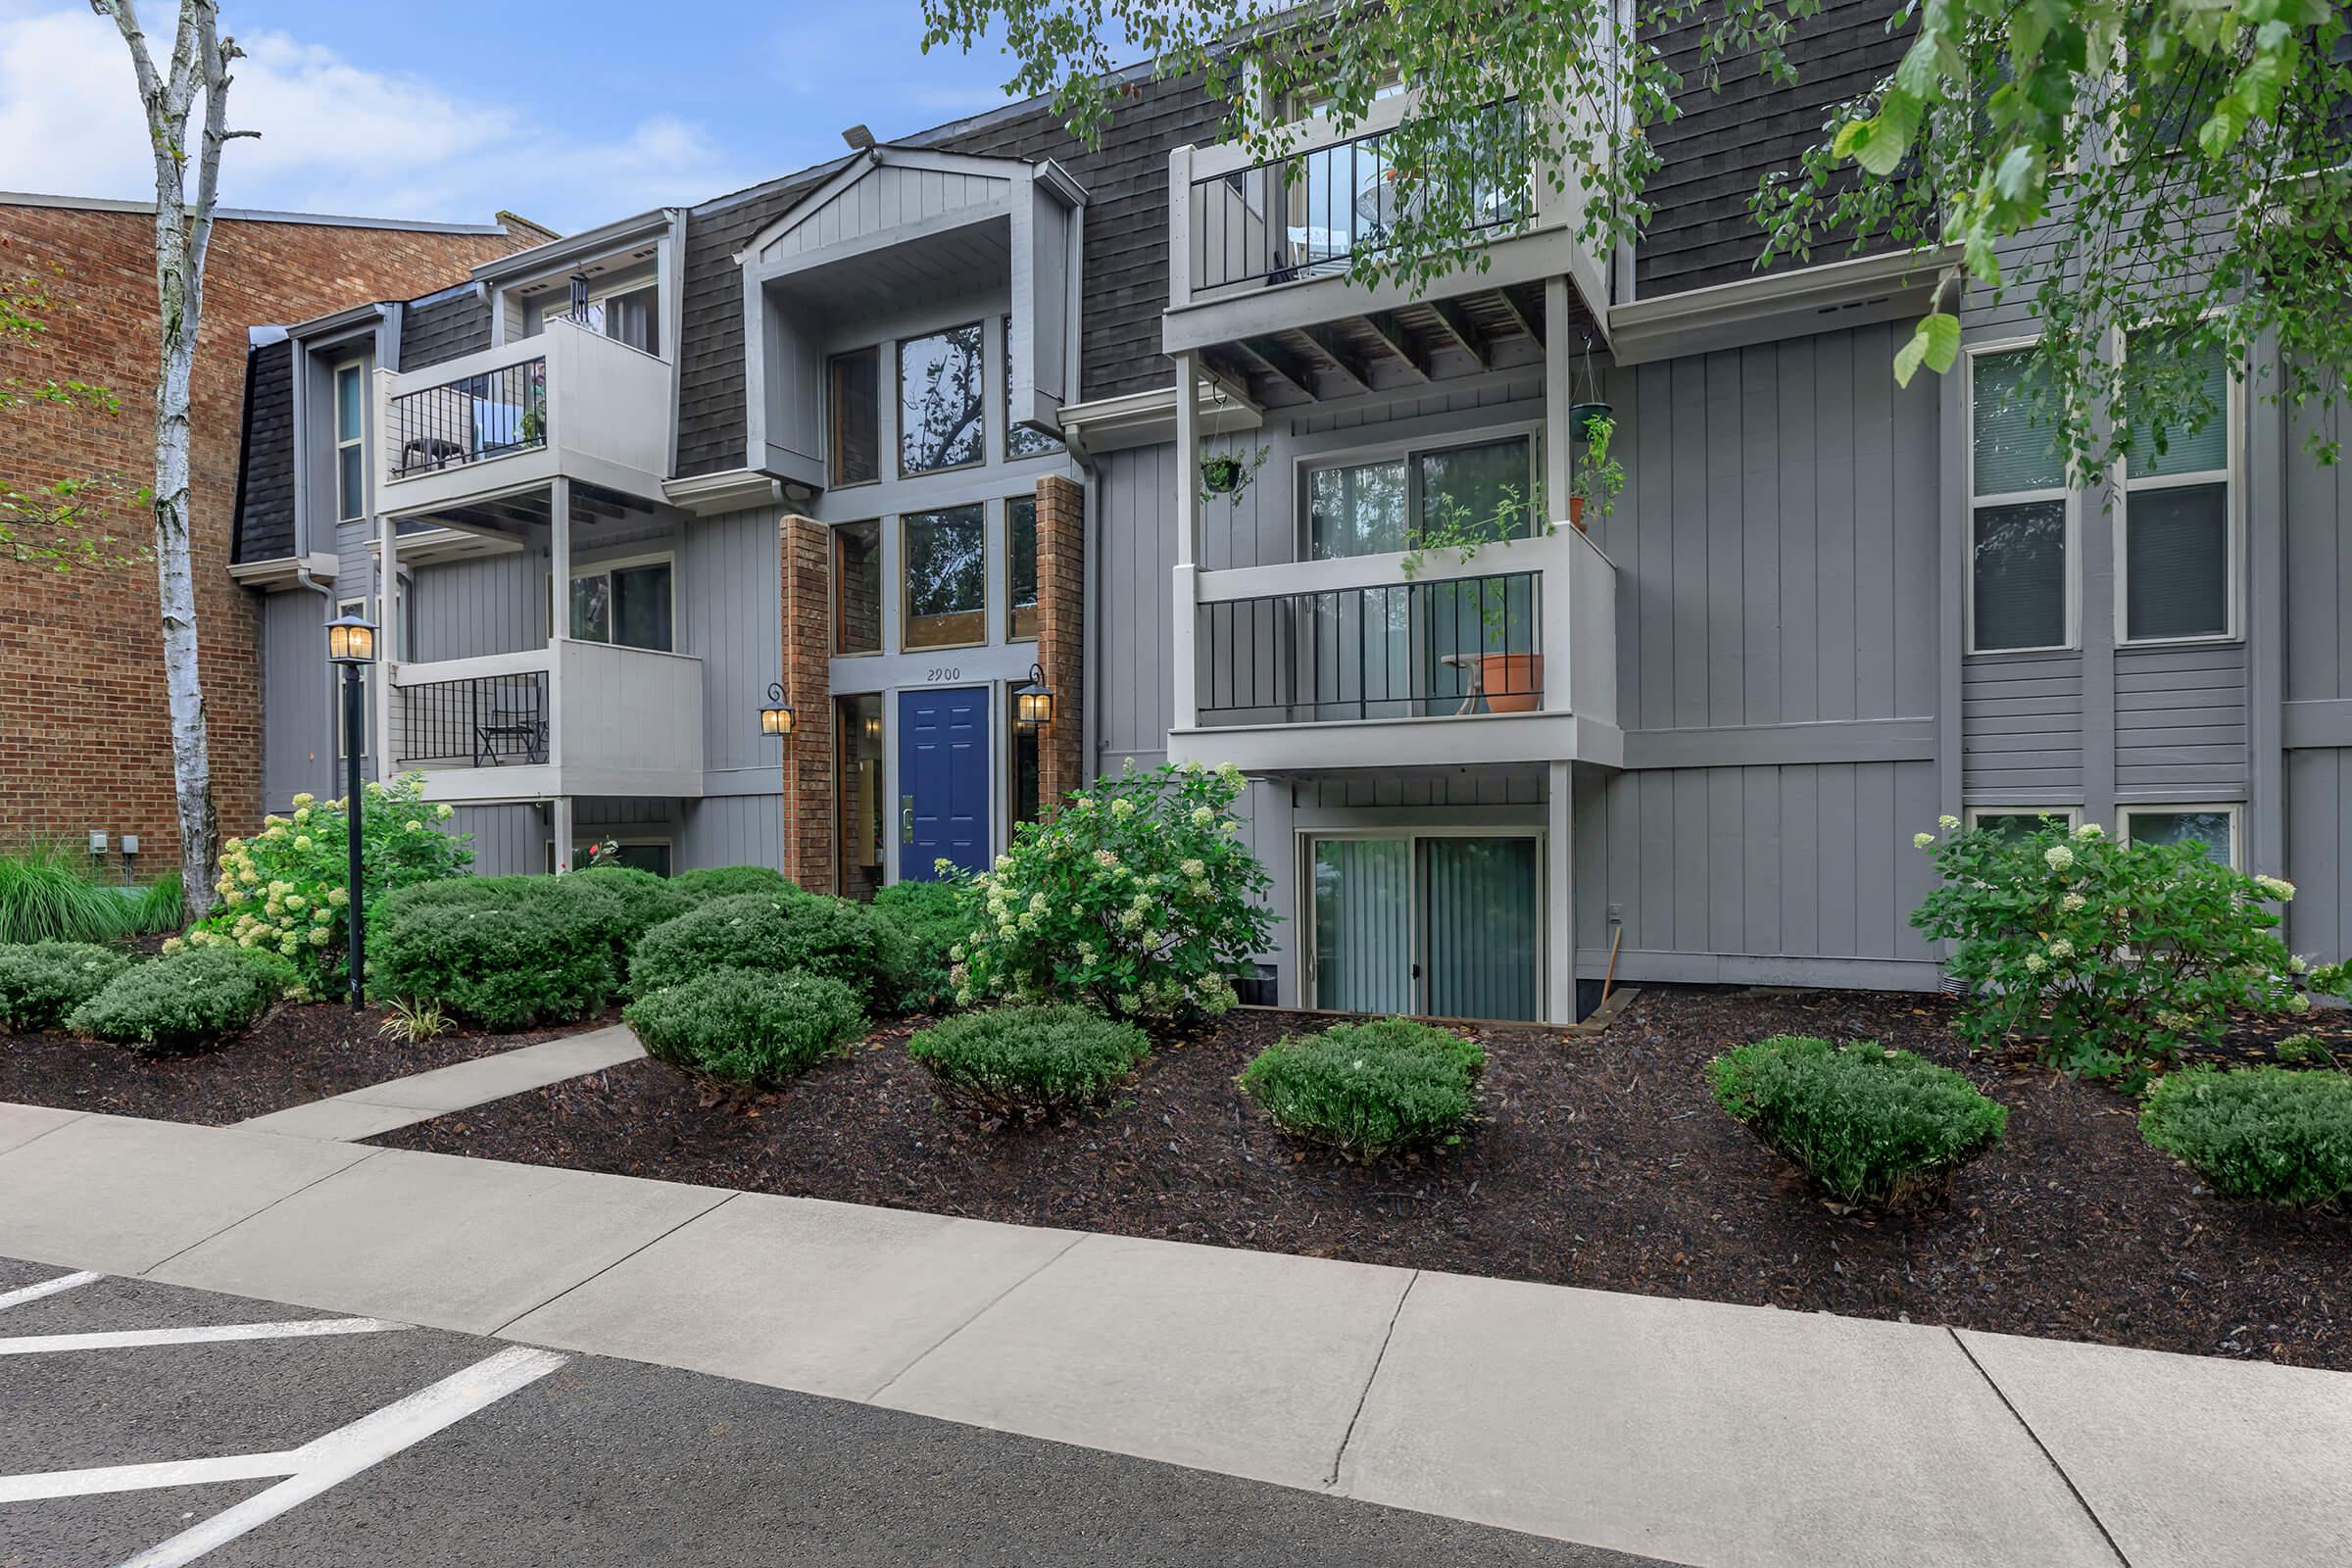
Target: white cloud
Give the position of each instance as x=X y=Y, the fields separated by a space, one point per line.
x=336 y=137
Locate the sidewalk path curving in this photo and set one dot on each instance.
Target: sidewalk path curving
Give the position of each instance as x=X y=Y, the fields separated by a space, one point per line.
x=420 y=1097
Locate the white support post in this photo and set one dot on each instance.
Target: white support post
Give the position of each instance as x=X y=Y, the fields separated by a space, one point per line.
x=559 y=631
x=1559 y=391
x=1184 y=621
x=1561 y=895
x=561 y=816
x=1180 y=228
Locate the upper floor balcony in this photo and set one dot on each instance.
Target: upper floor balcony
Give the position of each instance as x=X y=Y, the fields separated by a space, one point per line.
x=568 y=400
x=1263 y=247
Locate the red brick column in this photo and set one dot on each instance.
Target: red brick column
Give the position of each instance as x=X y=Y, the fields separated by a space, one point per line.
x=1061 y=635
x=807 y=584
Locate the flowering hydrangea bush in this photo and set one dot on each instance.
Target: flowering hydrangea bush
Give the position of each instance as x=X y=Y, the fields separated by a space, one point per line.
x=2113 y=957
x=283 y=891
x=1139 y=896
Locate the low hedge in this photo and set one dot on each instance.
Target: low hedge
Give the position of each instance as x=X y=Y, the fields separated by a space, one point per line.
x=506 y=952
x=931 y=918
x=726 y=881
x=185 y=1000
x=641 y=900
x=1029 y=1063
x=41 y=982
x=2269 y=1132
x=792 y=933
x=748 y=1026
x=1867 y=1124
x=1368 y=1088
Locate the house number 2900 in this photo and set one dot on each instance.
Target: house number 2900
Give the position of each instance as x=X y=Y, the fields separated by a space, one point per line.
x=940 y=673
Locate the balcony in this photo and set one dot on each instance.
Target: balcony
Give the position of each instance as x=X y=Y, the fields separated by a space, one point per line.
x=1260 y=249
x=1327 y=664
x=569 y=403
x=570 y=718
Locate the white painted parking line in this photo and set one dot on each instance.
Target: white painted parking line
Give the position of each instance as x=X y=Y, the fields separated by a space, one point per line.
x=210 y=1334
x=370 y=1441
x=35 y=1293
x=41 y=1484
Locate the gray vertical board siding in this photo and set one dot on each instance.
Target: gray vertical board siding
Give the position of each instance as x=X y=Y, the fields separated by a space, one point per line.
x=2181 y=721
x=2022 y=728
x=886 y=197
x=2319 y=555
x=1136 y=685
x=488 y=604
x=298 y=712
x=731 y=616
x=729 y=830
x=508 y=839
x=2319 y=851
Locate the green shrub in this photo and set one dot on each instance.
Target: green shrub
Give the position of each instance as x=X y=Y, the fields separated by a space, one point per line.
x=931 y=918
x=505 y=951
x=2269 y=1133
x=2109 y=957
x=41 y=982
x=641 y=900
x=50 y=893
x=1030 y=1063
x=792 y=934
x=748 y=1026
x=284 y=889
x=1368 y=1088
x=185 y=1000
x=1139 y=896
x=1868 y=1124
x=726 y=881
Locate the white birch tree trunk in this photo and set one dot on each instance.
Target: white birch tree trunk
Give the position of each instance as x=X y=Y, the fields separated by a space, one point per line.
x=199 y=64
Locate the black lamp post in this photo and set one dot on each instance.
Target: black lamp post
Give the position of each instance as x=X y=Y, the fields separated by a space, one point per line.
x=351 y=643
x=776 y=717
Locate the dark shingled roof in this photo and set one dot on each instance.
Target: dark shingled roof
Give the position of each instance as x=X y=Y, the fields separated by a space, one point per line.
x=265 y=514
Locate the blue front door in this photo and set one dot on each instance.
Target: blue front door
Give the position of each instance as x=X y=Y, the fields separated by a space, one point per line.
x=943 y=780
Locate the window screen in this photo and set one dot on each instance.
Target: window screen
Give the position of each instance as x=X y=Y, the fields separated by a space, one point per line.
x=2020 y=576
x=2177 y=563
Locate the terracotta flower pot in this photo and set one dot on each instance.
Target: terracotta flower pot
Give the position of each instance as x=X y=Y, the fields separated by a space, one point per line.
x=1576 y=512
x=1512 y=683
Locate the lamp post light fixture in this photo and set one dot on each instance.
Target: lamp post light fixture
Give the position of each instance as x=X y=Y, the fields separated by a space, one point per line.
x=351 y=643
x=1033 y=703
x=776 y=717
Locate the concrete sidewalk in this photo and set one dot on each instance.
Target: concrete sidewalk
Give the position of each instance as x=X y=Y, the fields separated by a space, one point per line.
x=420 y=1097
x=1688 y=1430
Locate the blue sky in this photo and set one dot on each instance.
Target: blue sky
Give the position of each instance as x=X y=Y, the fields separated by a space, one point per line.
x=450 y=109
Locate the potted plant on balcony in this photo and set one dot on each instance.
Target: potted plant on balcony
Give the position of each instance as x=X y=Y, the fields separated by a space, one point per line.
x=1510 y=680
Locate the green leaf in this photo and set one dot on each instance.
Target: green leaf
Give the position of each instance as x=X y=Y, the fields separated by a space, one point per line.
x=1935 y=344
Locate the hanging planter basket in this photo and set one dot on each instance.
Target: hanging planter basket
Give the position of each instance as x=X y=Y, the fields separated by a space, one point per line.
x=1221 y=475
x=1582 y=416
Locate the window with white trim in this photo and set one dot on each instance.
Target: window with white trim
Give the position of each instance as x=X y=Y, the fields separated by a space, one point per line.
x=2176 y=574
x=628 y=603
x=2021 y=513
x=1373 y=507
x=2213 y=826
x=351 y=444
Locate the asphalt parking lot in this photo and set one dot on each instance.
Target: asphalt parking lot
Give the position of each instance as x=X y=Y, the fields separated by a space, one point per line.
x=184 y=1427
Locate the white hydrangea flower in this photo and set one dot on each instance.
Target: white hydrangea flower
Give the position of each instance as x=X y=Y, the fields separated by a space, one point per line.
x=1122 y=809
x=1130 y=920
x=338 y=897
x=2059 y=856
x=1153 y=939
x=2036 y=963
x=173 y=943
x=2073 y=902
x=1200 y=890
x=412 y=825
x=2278 y=888
x=445 y=810
x=1194 y=870
x=318 y=935
x=306 y=798
x=1204 y=817
x=302 y=841
x=1920 y=841
x=1037 y=903
x=2298 y=1003
x=2062 y=949
x=2088 y=831
x=1947 y=822
x=1107 y=859
x=1129 y=1002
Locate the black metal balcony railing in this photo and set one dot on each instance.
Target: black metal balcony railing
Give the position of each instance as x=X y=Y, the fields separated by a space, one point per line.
x=1405 y=649
x=475 y=417
x=487 y=722
x=1313 y=211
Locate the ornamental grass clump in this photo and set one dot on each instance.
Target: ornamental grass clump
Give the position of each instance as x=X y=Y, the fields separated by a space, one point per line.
x=41 y=982
x=2110 y=958
x=185 y=1000
x=2269 y=1132
x=1137 y=897
x=1867 y=1124
x=791 y=933
x=52 y=893
x=1368 y=1088
x=748 y=1026
x=284 y=890
x=1027 y=1065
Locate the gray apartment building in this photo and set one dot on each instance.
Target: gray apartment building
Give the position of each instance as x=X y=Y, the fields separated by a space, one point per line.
x=905 y=433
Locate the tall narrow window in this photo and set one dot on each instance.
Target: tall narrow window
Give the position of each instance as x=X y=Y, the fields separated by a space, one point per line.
x=629 y=606
x=2179 y=509
x=1024 y=752
x=1020 y=572
x=351 y=446
x=944 y=564
x=1020 y=440
x=2018 y=514
x=942 y=405
x=856 y=395
x=858 y=588
x=857 y=787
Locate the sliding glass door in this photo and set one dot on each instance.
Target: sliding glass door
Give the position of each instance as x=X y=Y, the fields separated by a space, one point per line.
x=1448 y=924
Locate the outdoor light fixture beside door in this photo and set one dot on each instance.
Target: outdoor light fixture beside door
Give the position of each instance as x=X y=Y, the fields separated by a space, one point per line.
x=351 y=643
x=776 y=717
x=1033 y=703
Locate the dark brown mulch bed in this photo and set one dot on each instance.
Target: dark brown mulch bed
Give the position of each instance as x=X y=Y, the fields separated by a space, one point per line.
x=1601 y=1161
x=296 y=1054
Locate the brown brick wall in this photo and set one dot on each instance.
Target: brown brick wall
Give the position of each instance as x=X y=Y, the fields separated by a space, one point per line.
x=84 y=738
x=1061 y=635
x=808 y=588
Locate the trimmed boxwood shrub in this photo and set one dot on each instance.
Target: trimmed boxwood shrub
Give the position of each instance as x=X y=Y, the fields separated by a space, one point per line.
x=1029 y=1063
x=1868 y=1124
x=930 y=917
x=792 y=934
x=1368 y=1088
x=2268 y=1133
x=504 y=951
x=41 y=982
x=748 y=1026
x=726 y=881
x=185 y=1000
x=641 y=900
